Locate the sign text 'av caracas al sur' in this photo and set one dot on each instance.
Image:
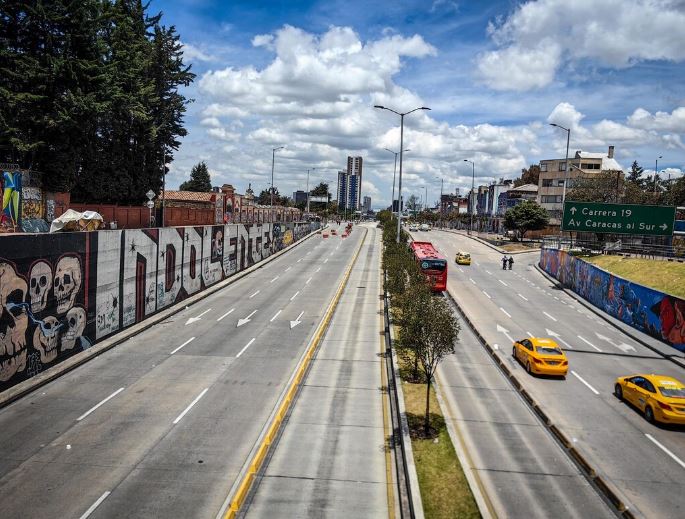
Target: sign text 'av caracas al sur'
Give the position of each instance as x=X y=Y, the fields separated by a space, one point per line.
x=656 y=220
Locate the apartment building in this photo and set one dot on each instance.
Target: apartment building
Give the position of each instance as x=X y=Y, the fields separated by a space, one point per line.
x=553 y=175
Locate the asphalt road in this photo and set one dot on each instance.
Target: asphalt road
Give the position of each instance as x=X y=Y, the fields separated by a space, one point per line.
x=331 y=460
x=161 y=425
x=646 y=463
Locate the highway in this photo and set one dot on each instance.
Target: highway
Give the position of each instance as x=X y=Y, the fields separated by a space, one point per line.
x=331 y=459
x=646 y=463
x=161 y=425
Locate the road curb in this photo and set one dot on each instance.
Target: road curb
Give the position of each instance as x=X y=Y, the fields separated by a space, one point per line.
x=483 y=242
x=28 y=386
x=581 y=300
x=604 y=489
x=241 y=487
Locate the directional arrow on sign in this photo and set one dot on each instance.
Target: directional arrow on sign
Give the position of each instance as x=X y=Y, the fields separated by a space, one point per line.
x=296 y=321
x=663 y=226
x=246 y=319
x=556 y=336
x=625 y=348
x=573 y=211
x=503 y=330
x=191 y=320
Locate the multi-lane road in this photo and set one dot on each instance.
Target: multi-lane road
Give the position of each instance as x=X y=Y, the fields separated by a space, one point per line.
x=644 y=462
x=161 y=425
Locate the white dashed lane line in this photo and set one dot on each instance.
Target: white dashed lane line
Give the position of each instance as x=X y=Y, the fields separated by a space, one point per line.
x=182 y=345
x=95 y=505
x=101 y=403
x=257 y=292
x=487 y=295
x=274 y=317
x=227 y=313
x=523 y=297
x=294 y=295
x=663 y=448
x=505 y=312
x=503 y=282
x=550 y=316
x=584 y=382
x=185 y=411
x=245 y=347
x=589 y=343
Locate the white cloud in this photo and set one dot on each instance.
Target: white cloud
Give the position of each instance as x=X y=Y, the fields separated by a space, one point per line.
x=193 y=53
x=212 y=122
x=540 y=37
x=223 y=134
x=663 y=121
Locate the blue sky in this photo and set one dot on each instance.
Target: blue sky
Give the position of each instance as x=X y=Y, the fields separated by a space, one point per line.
x=307 y=74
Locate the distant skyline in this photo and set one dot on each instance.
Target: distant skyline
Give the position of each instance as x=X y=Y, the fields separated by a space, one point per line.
x=306 y=75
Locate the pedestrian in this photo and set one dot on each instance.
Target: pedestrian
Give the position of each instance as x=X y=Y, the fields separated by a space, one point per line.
x=504 y=262
x=511 y=261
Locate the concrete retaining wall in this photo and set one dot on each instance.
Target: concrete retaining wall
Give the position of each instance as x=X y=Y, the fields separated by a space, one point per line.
x=61 y=293
x=658 y=314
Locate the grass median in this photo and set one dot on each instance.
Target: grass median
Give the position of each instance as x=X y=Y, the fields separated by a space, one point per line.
x=665 y=276
x=444 y=489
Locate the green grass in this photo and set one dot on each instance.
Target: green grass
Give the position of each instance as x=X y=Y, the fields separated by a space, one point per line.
x=444 y=490
x=666 y=276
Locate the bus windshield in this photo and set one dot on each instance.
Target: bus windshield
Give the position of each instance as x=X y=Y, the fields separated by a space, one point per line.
x=434 y=264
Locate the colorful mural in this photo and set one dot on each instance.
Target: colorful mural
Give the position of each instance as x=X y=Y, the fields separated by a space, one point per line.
x=11 y=198
x=61 y=293
x=660 y=315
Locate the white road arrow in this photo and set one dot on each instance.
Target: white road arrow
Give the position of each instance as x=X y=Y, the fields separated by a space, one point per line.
x=556 y=336
x=625 y=348
x=246 y=319
x=503 y=330
x=296 y=321
x=198 y=318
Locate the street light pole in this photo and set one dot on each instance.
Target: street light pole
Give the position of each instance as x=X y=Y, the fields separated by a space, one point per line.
x=312 y=169
x=563 y=193
x=656 y=169
x=273 y=159
x=399 y=185
x=473 y=182
x=392 y=204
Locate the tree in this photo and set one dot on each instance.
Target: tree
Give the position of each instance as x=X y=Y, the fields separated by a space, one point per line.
x=528 y=176
x=199 y=179
x=264 y=197
x=635 y=175
x=321 y=190
x=413 y=203
x=527 y=216
x=676 y=193
x=437 y=340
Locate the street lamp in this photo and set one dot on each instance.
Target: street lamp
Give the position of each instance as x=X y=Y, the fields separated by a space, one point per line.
x=563 y=193
x=310 y=169
x=473 y=182
x=273 y=159
x=393 y=180
x=656 y=169
x=399 y=186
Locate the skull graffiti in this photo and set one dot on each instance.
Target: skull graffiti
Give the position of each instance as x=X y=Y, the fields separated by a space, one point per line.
x=13 y=322
x=45 y=339
x=67 y=282
x=40 y=283
x=76 y=323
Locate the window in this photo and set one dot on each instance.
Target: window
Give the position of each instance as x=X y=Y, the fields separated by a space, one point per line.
x=550 y=199
x=527 y=344
x=543 y=166
x=560 y=182
x=547 y=182
x=649 y=386
x=590 y=165
x=562 y=166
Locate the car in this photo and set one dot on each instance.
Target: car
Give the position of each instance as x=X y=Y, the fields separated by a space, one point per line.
x=659 y=397
x=541 y=356
x=463 y=258
x=325 y=234
x=334 y=232
x=425 y=227
x=414 y=227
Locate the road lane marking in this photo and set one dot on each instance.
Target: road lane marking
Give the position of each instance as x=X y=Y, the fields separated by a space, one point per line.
x=487 y=295
x=503 y=282
x=197 y=399
x=308 y=281
x=589 y=343
x=245 y=347
x=555 y=297
x=308 y=253
x=488 y=272
x=460 y=269
x=182 y=345
x=663 y=448
x=317 y=269
x=523 y=297
x=299 y=260
x=295 y=295
x=551 y=317
x=227 y=313
x=477 y=264
x=275 y=315
x=203 y=313
x=245 y=320
x=95 y=505
x=286 y=270
x=529 y=334
x=326 y=260
x=257 y=292
x=584 y=382
x=507 y=313
x=472 y=281
x=98 y=405
x=274 y=279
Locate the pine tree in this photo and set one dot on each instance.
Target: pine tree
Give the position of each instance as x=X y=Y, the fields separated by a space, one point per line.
x=199 y=179
x=635 y=174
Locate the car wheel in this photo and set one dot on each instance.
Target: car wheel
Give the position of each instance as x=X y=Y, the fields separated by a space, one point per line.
x=530 y=371
x=618 y=391
x=649 y=414
x=513 y=351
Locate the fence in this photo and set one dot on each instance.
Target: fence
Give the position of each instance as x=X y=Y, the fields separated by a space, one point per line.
x=626 y=246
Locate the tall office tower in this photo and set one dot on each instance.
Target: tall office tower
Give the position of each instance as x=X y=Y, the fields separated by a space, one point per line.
x=354 y=167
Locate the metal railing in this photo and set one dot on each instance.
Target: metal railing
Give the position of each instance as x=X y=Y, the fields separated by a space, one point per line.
x=626 y=246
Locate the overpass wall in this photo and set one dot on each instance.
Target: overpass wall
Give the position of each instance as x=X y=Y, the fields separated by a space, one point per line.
x=62 y=293
x=658 y=314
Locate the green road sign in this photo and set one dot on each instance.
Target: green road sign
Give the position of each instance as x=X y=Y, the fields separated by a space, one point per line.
x=655 y=220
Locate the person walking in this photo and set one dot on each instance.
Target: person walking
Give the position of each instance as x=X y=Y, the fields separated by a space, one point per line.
x=504 y=262
x=511 y=261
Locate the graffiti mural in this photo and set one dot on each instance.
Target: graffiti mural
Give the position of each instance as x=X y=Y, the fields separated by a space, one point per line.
x=31 y=202
x=11 y=198
x=660 y=315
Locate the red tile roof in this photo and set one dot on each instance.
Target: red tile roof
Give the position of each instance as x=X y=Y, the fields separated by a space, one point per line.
x=188 y=196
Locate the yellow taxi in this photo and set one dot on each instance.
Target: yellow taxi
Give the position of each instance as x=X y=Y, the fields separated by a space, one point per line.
x=541 y=356
x=463 y=258
x=660 y=398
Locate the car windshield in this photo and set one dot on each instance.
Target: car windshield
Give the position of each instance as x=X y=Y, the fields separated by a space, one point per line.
x=672 y=391
x=433 y=264
x=548 y=350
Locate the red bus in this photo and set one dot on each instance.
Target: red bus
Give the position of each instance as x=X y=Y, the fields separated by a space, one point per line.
x=431 y=263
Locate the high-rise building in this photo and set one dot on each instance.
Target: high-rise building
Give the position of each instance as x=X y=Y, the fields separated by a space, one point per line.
x=354 y=167
x=350 y=185
x=366 y=206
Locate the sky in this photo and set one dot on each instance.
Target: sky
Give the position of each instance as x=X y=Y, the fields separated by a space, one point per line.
x=307 y=74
